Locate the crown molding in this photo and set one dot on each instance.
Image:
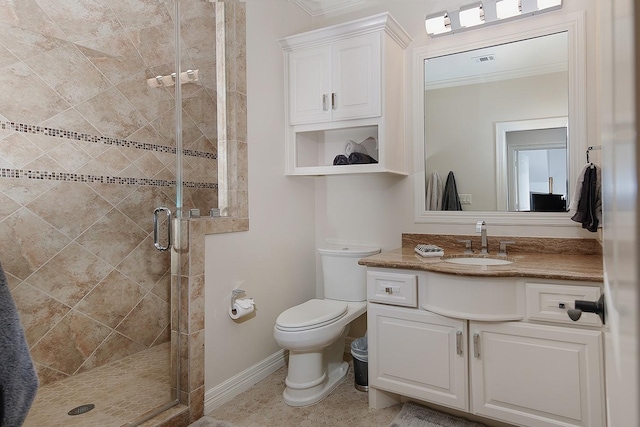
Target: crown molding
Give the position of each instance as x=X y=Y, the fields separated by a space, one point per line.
x=323 y=7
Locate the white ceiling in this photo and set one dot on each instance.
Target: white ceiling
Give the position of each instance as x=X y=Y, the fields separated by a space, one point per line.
x=524 y=58
x=322 y=7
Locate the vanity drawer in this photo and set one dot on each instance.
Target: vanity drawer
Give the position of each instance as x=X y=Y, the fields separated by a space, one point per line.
x=392 y=288
x=550 y=302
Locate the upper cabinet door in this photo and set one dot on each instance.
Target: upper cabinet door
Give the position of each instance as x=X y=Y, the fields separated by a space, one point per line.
x=310 y=85
x=356 y=79
x=338 y=81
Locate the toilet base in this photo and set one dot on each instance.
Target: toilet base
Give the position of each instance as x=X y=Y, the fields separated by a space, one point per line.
x=314 y=394
x=313 y=375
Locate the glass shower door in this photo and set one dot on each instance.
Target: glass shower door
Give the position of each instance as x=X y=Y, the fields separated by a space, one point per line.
x=90 y=145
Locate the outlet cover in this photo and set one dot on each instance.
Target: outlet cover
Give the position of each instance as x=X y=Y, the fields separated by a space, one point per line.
x=465 y=199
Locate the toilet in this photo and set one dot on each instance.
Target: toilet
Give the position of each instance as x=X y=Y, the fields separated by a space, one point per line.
x=314 y=332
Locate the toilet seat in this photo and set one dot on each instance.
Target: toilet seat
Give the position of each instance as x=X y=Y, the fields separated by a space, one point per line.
x=312 y=314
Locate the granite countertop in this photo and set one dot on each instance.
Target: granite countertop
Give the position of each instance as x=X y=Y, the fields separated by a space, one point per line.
x=546 y=258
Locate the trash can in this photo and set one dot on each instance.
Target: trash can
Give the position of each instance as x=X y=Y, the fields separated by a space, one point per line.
x=360 y=353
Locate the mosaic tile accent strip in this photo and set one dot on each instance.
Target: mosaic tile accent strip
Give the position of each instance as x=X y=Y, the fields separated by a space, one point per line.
x=75 y=177
x=59 y=133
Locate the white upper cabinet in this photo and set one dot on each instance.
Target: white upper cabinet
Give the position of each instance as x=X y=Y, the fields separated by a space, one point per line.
x=340 y=81
x=346 y=83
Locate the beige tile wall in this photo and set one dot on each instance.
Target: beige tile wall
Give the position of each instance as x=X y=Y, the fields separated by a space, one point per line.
x=87 y=151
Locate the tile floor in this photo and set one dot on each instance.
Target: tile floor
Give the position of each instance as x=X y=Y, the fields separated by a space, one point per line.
x=122 y=391
x=262 y=406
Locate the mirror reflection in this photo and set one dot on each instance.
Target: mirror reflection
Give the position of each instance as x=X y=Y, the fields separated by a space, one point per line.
x=496 y=118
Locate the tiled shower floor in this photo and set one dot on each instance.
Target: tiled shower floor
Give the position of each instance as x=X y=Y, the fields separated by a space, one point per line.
x=122 y=391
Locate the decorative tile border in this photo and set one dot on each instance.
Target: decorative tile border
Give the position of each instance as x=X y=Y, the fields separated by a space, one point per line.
x=88 y=178
x=59 y=133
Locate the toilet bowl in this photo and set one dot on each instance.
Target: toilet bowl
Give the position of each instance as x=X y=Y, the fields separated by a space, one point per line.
x=314 y=332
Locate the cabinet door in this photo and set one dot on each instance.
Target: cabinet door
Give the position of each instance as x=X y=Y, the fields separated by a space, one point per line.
x=418 y=354
x=356 y=80
x=310 y=85
x=536 y=375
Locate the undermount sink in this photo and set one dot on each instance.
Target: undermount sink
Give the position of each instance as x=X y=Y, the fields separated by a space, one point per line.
x=478 y=261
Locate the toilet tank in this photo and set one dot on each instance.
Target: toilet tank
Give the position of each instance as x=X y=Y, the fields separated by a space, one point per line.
x=343 y=278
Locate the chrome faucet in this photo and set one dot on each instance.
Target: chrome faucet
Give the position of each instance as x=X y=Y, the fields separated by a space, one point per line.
x=481 y=227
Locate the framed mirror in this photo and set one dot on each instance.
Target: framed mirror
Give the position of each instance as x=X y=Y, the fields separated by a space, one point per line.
x=503 y=109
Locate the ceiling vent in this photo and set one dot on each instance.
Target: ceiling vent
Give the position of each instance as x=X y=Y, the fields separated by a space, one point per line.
x=484 y=58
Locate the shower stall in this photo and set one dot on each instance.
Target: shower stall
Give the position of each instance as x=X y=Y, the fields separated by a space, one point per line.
x=108 y=110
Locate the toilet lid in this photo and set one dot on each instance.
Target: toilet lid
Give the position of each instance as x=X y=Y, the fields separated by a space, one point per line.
x=311 y=314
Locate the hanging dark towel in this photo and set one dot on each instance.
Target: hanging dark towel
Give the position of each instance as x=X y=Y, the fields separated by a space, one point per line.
x=586 y=213
x=450 y=199
x=340 y=159
x=356 y=158
x=18 y=378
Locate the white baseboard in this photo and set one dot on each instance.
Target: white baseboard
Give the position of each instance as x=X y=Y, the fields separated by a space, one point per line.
x=235 y=385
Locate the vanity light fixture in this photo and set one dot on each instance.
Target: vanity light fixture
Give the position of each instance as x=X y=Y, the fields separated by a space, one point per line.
x=471 y=15
x=508 y=8
x=437 y=23
x=484 y=13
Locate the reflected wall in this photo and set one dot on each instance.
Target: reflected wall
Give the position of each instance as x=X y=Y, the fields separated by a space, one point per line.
x=465 y=142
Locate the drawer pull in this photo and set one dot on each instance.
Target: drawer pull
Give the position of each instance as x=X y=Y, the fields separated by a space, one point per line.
x=459 y=343
x=476 y=346
x=389 y=290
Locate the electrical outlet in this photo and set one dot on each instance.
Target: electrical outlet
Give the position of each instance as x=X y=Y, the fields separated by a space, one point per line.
x=465 y=199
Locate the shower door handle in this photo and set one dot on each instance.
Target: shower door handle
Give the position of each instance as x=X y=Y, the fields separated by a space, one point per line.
x=156 y=226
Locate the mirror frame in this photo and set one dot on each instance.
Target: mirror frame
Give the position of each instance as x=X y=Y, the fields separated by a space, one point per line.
x=507 y=32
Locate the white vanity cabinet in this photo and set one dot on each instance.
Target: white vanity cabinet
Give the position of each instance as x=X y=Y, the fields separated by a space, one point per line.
x=536 y=375
x=418 y=354
x=537 y=369
x=342 y=83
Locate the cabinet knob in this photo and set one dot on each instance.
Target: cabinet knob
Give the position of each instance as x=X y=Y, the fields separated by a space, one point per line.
x=388 y=290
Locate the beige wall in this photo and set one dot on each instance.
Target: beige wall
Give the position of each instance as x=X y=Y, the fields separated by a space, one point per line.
x=276 y=261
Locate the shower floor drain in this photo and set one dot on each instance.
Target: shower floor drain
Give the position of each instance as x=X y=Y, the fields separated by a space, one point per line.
x=82 y=409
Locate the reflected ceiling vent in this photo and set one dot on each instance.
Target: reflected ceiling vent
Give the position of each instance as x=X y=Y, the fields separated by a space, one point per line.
x=484 y=58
